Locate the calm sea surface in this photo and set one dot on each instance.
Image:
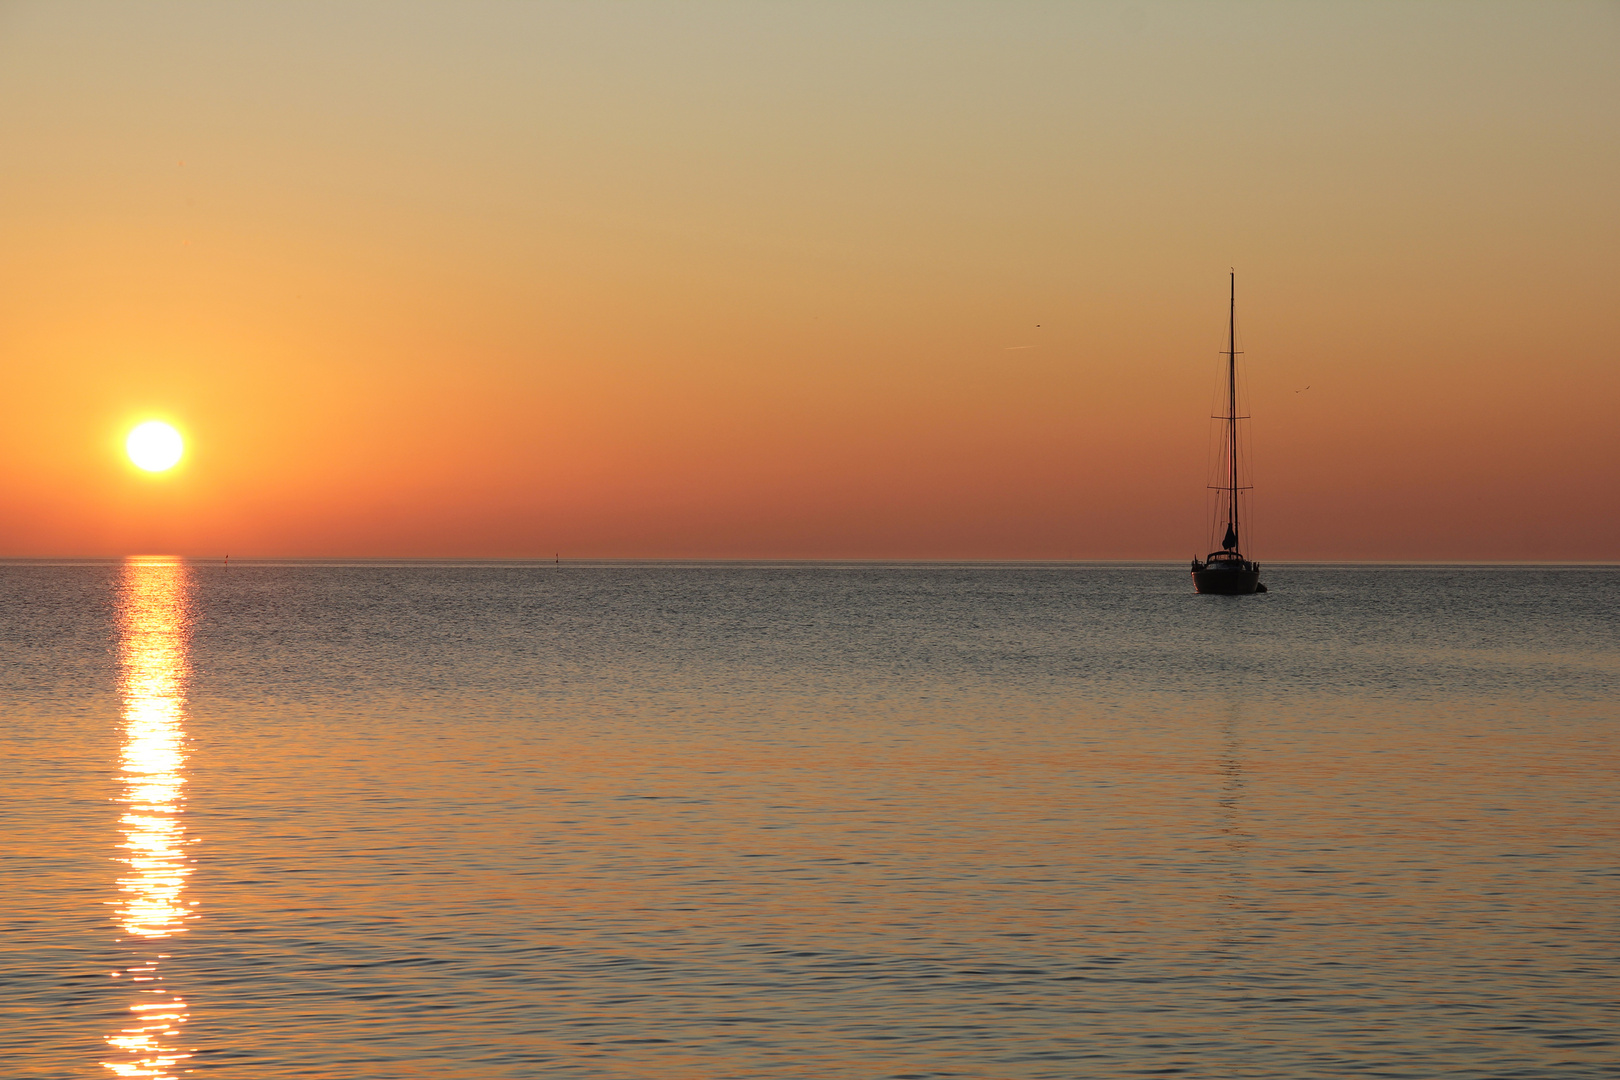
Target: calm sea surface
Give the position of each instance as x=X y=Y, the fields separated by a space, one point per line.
x=700 y=821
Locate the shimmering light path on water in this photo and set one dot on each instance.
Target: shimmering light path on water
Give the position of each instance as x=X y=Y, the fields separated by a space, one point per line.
x=152 y=629
x=804 y=821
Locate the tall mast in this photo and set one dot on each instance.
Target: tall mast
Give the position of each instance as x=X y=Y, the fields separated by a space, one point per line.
x=1231 y=413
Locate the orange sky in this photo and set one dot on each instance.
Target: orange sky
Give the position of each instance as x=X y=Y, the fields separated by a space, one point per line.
x=830 y=280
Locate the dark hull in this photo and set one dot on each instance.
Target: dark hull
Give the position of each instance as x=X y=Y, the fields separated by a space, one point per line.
x=1226 y=582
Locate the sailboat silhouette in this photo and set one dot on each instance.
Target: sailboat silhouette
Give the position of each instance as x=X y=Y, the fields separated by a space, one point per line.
x=1226 y=572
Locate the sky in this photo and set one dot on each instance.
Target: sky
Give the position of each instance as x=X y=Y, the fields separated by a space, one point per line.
x=831 y=280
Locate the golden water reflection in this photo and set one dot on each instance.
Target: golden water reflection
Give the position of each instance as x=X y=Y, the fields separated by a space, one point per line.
x=153 y=625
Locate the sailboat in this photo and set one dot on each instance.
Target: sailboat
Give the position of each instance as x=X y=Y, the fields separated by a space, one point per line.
x=1226 y=572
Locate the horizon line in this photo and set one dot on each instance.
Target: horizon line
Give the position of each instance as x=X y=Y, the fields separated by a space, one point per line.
x=428 y=560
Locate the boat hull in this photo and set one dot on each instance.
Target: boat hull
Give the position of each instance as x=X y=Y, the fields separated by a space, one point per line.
x=1226 y=582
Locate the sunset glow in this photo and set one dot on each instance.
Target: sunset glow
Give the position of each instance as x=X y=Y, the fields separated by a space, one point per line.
x=154 y=446
x=819 y=281
x=691 y=539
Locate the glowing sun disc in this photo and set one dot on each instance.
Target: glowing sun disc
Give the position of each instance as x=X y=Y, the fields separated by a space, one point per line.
x=154 y=446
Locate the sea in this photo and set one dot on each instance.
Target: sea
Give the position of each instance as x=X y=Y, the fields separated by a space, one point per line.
x=701 y=821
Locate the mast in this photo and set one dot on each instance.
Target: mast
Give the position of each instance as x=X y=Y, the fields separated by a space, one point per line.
x=1231 y=415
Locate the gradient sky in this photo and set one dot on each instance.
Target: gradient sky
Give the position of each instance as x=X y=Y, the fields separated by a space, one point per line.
x=808 y=280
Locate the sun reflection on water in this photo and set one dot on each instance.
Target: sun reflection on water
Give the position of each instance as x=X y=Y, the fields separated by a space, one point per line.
x=154 y=608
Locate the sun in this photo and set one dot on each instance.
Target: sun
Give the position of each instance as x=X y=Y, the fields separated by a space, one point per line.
x=155 y=446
